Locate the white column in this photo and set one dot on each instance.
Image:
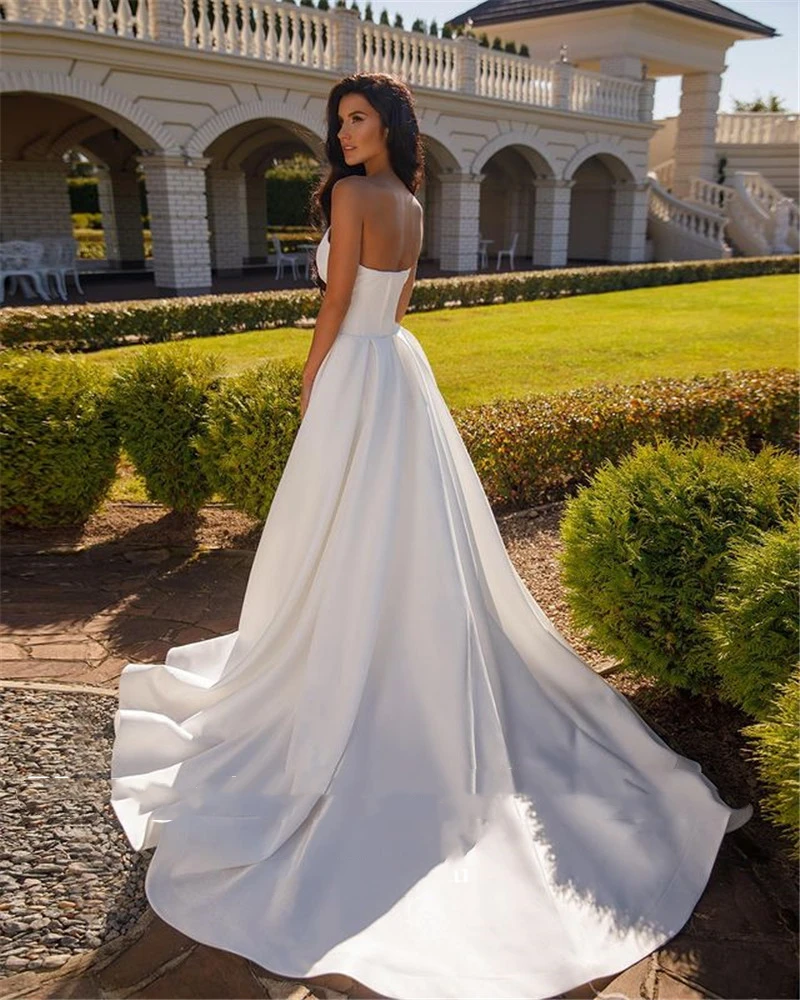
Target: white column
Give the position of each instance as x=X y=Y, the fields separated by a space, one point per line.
x=167 y=20
x=695 y=140
x=120 y=205
x=128 y=210
x=525 y=221
x=514 y=220
x=256 y=197
x=227 y=217
x=345 y=29
x=551 y=222
x=105 y=199
x=176 y=197
x=466 y=64
x=34 y=199
x=459 y=221
x=629 y=222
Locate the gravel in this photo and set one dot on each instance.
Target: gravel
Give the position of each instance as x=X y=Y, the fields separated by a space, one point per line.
x=69 y=880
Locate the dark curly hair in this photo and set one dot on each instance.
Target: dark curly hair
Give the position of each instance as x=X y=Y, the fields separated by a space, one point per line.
x=393 y=101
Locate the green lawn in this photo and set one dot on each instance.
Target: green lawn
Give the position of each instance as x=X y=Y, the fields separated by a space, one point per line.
x=504 y=351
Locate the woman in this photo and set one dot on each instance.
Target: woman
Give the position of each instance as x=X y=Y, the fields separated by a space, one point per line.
x=397 y=769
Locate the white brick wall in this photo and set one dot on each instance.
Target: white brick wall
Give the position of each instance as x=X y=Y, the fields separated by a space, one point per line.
x=551 y=222
x=695 y=149
x=227 y=217
x=176 y=197
x=459 y=221
x=34 y=200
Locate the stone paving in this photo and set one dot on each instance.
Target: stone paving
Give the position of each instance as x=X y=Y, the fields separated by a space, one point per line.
x=71 y=622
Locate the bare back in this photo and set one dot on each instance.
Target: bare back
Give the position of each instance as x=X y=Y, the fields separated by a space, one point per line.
x=391 y=237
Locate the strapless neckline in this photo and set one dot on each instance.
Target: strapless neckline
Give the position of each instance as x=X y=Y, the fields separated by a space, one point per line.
x=377 y=270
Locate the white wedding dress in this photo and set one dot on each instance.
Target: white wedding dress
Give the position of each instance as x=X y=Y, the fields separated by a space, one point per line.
x=397 y=768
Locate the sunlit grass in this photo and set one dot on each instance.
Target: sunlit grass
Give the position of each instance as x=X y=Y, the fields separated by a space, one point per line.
x=505 y=351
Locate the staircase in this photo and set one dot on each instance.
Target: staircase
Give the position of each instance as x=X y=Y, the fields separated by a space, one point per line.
x=748 y=217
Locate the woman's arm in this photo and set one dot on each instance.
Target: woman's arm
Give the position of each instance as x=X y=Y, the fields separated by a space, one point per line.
x=347 y=211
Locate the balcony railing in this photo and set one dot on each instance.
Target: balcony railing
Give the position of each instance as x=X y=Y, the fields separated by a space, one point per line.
x=338 y=41
x=420 y=60
x=758 y=127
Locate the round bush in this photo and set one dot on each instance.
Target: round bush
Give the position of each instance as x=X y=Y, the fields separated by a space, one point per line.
x=775 y=748
x=59 y=442
x=248 y=433
x=647 y=545
x=755 y=630
x=161 y=395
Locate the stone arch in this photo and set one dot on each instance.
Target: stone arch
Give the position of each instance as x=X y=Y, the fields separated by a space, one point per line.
x=612 y=151
x=440 y=161
x=300 y=120
x=140 y=126
x=441 y=141
x=526 y=142
x=60 y=144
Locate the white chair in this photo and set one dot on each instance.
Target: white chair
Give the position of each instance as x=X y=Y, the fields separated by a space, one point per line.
x=281 y=259
x=509 y=252
x=22 y=259
x=483 y=251
x=60 y=259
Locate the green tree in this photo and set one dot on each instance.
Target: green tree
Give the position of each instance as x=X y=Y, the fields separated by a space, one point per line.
x=772 y=103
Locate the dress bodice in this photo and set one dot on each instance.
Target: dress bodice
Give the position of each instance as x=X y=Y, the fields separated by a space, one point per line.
x=373 y=304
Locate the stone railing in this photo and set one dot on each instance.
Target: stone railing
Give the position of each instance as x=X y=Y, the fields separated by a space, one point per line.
x=337 y=40
x=664 y=173
x=767 y=211
x=129 y=19
x=514 y=78
x=693 y=220
x=765 y=193
x=711 y=195
x=421 y=60
x=607 y=96
x=758 y=127
x=276 y=32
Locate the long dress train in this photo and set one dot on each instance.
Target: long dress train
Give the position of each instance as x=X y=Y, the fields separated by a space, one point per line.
x=397 y=768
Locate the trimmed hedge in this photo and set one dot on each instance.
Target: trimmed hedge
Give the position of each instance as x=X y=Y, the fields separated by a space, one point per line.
x=59 y=439
x=754 y=629
x=775 y=748
x=161 y=396
x=525 y=452
x=108 y=324
x=543 y=447
x=248 y=432
x=647 y=545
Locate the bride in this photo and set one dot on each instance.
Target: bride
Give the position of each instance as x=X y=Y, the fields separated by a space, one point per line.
x=397 y=769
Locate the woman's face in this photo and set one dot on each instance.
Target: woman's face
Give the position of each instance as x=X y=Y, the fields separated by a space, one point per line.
x=361 y=134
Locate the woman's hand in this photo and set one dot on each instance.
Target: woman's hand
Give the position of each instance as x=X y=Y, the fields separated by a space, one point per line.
x=305 y=395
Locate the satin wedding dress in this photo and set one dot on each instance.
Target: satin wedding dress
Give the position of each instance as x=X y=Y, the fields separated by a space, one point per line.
x=397 y=768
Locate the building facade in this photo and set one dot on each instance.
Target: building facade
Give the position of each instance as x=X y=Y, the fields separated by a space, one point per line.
x=549 y=152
